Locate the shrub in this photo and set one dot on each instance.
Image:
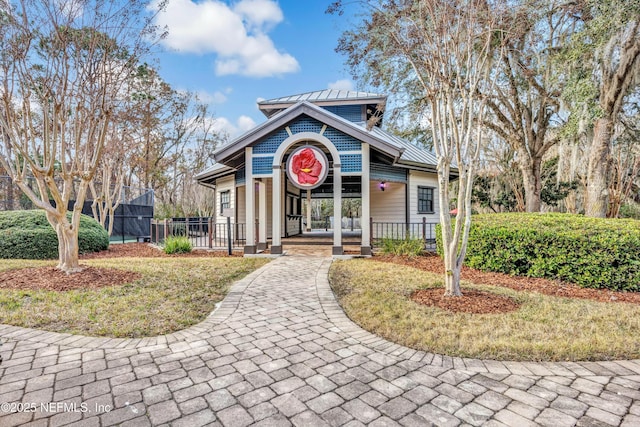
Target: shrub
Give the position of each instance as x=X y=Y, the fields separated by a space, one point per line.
x=28 y=235
x=591 y=252
x=177 y=245
x=408 y=247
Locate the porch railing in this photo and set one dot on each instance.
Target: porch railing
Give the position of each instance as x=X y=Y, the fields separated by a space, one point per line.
x=203 y=232
x=426 y=231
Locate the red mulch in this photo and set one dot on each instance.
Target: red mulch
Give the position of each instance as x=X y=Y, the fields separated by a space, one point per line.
x=471 y=301
x=434 y=264
x=52 y=279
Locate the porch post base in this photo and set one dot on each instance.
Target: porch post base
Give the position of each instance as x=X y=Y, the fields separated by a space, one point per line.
x=262 y=246
x=276 y=250
x=337 y=250
x=249 y=250
x=365 y=250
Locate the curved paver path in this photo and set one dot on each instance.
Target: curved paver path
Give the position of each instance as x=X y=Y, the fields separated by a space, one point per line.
x=280 y=351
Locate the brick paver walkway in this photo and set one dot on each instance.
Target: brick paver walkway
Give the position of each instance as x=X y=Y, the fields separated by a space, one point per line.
x=279 y=351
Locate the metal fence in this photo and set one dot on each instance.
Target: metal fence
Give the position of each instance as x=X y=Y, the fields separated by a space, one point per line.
x=203 y=232
x=131 y=218
x=401 y=231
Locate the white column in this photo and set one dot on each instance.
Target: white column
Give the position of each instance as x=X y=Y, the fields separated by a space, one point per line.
x=365 y=247
x=337 y=208
x=250 y=203
x=308 y=210
x=262 y=215
x=276 y=217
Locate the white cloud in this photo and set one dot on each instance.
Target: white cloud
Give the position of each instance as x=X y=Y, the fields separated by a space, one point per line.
x=241 y=125
x=216 y=97
x=237 y=36
x=343 y=84
x=259 y=13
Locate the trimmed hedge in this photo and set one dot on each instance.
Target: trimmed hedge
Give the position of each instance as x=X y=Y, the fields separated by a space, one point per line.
x=28 y=235
x=591 y=252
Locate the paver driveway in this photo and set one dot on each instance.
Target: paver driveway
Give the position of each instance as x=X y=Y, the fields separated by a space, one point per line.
x=279 y=351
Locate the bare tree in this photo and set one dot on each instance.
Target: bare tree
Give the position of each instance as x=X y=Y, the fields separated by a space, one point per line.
x=442 y=53
x=62 y=67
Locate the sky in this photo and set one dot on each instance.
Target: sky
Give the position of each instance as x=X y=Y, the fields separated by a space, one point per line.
x=235 y=52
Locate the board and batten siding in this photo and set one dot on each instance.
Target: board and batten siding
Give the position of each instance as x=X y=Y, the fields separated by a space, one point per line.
x=225 y=184
x=388 y=205
x=241 y=206
x=423 y=179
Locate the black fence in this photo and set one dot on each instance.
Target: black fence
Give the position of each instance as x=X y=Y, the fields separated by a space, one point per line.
x=203 y=232
x=131 y=219
x=426 y=231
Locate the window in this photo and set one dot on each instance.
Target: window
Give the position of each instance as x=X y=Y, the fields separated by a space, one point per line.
x=225 y=200
x=425 y=199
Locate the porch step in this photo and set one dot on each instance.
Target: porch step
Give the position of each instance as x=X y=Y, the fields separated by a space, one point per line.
x=316 y=242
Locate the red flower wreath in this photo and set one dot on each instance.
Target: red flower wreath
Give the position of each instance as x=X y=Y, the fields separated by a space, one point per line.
x=306 y=166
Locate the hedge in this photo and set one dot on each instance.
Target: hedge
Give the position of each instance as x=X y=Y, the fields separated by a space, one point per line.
x=28 y=235
x=591 y=252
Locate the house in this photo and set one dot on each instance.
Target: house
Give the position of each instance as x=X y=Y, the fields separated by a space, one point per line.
x=310 y=145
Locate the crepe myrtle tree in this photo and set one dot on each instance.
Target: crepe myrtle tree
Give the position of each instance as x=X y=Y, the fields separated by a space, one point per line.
x=442 y=54
x=63 y=68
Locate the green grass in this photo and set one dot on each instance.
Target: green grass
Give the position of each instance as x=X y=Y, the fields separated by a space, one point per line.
x=173 y=294
x=376 y=296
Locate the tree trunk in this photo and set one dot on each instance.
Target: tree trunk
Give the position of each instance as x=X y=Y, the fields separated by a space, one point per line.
x=530 y=168
x=67 y=245
x=452 y=278
x=596 y=194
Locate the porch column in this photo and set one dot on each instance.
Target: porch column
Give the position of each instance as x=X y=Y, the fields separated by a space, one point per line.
x=337 y=208
x=262 y=215
x=365 y=244
x=308 y=210
x=250 y=203
x=276 y=217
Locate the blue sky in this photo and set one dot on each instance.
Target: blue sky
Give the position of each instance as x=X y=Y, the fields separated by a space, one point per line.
x=235 y=52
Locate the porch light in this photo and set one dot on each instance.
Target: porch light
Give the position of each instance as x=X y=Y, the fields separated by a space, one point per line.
x=382 y=185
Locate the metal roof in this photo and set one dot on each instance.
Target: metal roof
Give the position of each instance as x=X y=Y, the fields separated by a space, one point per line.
x=323 y=95
x=215 y=170
x=411 y=153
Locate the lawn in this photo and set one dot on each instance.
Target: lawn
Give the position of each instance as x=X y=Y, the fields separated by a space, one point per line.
x=545 y=328
x=172 y=294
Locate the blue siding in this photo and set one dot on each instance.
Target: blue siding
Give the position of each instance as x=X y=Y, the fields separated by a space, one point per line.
x=351 y=162
x=270 y=144
x=353 y=113
x=262 y=165
x=305 y=124
x=342 y=141
x=379 y=172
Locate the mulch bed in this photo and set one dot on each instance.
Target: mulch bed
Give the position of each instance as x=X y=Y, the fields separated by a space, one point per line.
x=434 y=264
x=52 y=279
x=476 y=302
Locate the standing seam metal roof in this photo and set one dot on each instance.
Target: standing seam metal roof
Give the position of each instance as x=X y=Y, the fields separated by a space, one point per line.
x=323 y=95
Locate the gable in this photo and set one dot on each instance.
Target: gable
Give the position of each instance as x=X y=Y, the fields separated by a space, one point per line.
x=304 y=116
x=350 y=148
